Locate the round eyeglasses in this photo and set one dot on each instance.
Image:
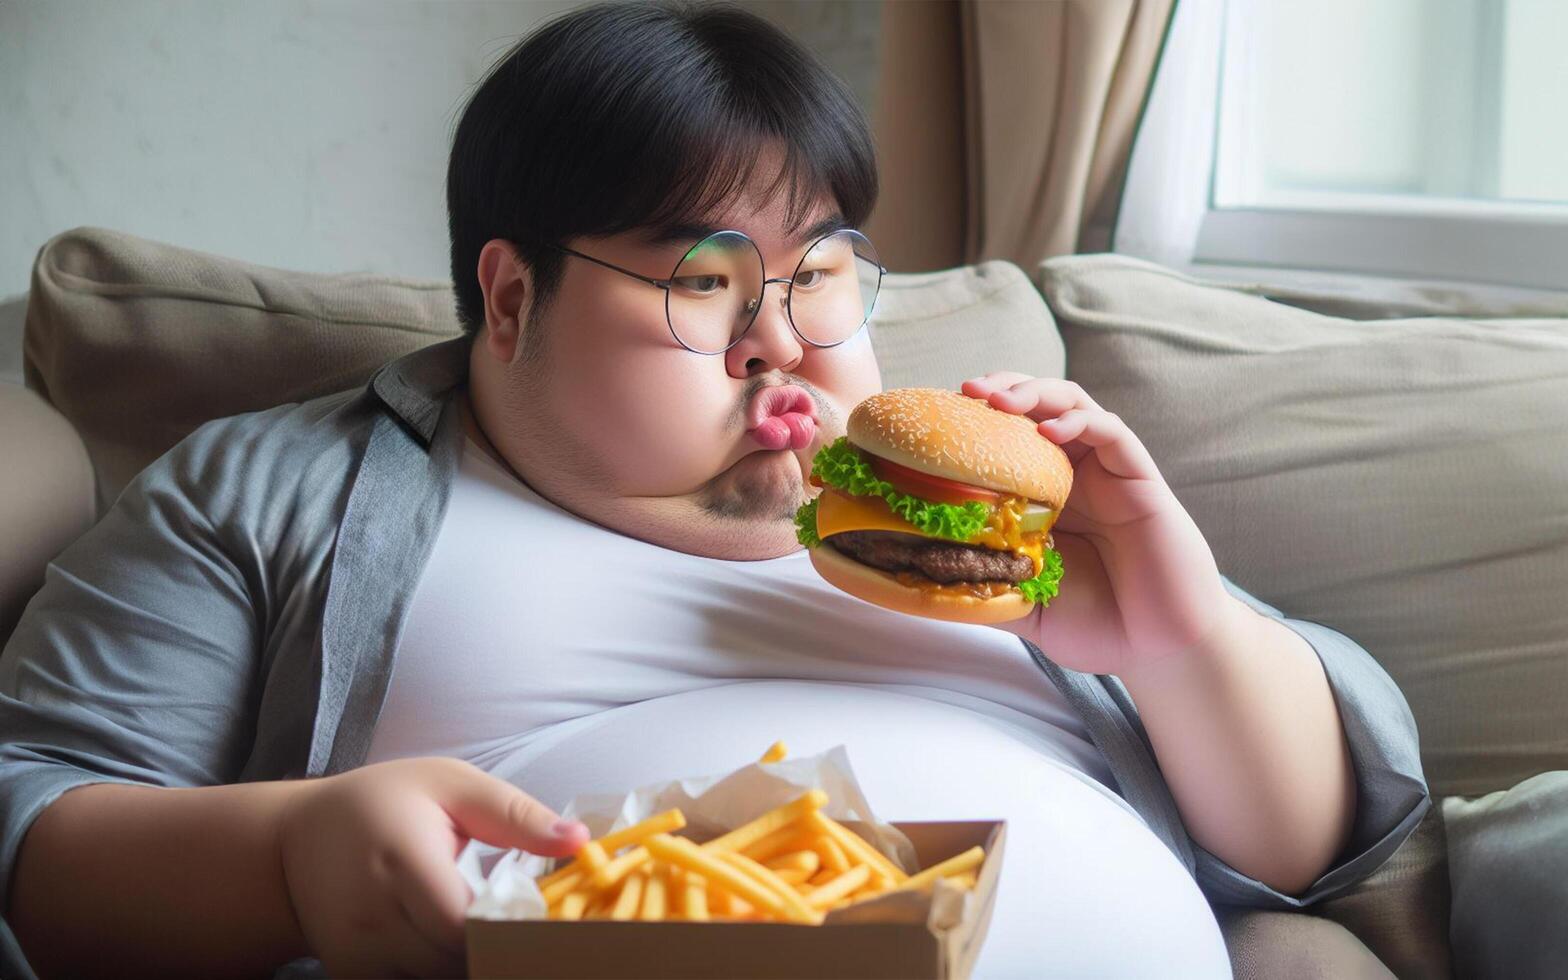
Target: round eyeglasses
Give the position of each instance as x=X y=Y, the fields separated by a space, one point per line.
x=716 y=289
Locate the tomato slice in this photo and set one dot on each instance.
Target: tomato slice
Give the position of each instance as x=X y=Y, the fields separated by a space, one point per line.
x=928 y=487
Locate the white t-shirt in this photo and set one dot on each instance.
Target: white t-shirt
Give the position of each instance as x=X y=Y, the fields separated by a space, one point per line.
x=512 y=659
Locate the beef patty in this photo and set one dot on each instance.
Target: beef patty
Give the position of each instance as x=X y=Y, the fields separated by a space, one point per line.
x=940 y=561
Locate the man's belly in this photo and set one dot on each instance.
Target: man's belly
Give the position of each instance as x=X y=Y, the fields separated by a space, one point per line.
x=1086 y=888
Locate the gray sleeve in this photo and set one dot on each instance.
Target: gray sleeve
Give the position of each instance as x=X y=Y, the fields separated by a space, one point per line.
x=1391 y=790
x=137 y=661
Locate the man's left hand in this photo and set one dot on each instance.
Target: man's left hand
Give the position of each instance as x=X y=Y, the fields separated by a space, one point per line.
x=1139 y=582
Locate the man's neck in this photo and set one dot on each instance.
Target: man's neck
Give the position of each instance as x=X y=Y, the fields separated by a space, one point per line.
x=471 y=426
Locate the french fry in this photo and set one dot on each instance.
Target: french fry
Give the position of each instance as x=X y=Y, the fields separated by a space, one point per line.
x=957 y=864
x=827 y=895
x=573 y=906
x=793 y=836
x=683 y=852
x=630 y=897
x=674 y=891
x=558 y=889
x=854 y=845
x=653 y=896
x=724 y=903
x=600 y=907
x=592 y=856
x=773 y=883
x=804 y=860
x=878 y=885
x=791 y=876
x=693 y=903
x=738 y=839
x=832 y=852
x=660 y=823
x=822 y=877
x=570 y=868
x=775 y=753
x=619 y=867
x=966 y=881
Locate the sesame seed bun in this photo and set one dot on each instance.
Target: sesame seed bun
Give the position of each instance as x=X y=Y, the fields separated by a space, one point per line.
x=877 y=586
x=948 y=434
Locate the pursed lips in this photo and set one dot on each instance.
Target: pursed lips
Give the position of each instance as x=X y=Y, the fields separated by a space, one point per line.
x=782 y=417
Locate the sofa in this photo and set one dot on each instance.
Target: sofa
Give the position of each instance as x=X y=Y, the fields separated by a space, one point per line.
x=1395 y=470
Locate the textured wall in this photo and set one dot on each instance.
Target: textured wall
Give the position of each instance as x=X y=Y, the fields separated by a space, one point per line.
x=309 y=134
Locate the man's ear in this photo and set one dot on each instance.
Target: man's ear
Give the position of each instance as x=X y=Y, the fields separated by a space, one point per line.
x=507 y=284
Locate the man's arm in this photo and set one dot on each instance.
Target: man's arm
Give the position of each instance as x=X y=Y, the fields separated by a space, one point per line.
x=116 y=880
x=356 y=869
x=135 y=665
x=1249 y=739
x=1279 y=752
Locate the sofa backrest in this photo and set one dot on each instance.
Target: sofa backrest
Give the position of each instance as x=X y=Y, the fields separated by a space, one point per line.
x=1402 y=479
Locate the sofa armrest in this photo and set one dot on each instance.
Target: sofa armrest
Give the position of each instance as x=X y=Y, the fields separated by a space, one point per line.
x=46 y=495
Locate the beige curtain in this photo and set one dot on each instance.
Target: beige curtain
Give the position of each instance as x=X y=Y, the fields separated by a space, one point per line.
x=1004 y=126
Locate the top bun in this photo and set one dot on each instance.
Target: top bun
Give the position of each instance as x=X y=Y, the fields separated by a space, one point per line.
x=948 y=434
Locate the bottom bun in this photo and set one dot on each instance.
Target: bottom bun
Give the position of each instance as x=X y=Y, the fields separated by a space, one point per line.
x=877 y=586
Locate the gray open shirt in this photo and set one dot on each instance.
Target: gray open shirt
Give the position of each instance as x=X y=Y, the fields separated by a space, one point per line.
x=235 y=614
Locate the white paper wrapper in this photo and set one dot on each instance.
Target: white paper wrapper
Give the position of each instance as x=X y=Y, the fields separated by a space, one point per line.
x=503 y=881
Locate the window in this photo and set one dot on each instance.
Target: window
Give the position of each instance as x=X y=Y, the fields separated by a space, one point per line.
x=1422 y=138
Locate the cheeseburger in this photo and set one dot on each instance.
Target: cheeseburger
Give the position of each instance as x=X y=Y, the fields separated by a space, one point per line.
x=939 y=505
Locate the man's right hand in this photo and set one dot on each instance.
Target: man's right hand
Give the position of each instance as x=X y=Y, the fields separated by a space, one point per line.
x=369 y=860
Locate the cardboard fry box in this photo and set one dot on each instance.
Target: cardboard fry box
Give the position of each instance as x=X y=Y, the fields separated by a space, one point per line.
x=936 y=935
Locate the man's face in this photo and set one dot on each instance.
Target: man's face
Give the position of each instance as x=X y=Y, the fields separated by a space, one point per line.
x=618 y=423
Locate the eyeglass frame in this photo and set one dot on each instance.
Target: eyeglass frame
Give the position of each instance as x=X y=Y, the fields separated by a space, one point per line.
x=789 y=309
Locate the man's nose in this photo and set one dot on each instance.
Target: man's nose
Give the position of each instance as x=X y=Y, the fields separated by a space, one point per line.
x=771 y=343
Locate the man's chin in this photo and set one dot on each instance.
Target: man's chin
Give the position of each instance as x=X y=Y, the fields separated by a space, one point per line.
x=765 y=485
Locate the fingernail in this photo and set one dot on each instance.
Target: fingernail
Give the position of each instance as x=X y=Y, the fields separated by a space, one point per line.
x=567 y=828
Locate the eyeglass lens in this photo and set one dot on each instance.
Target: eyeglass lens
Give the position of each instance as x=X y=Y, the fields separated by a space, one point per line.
x=716 y=290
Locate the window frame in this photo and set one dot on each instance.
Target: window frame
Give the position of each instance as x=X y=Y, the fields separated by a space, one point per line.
x=1170 y=214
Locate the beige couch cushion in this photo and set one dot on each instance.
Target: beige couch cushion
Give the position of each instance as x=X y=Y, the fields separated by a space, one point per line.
x=46 y=495
x=939 y=328
x=137 y=343
x=1404 y=481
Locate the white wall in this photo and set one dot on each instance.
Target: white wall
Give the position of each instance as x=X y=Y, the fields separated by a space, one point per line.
x=308 y=134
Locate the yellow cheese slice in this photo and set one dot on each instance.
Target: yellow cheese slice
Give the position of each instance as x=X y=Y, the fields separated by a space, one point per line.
x=838 y=512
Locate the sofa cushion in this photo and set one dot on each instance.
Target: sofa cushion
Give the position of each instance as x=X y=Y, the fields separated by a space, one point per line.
x=137 y=343
x=1508 y=863
x=46 y=496
x=939 y=328
x=1404 y=481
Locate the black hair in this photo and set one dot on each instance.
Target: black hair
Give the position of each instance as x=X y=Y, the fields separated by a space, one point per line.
x=623 y=116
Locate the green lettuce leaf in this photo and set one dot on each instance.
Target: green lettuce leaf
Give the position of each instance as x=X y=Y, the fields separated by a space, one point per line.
x=841 y=465
x=806 y=524
x=1045 y=586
